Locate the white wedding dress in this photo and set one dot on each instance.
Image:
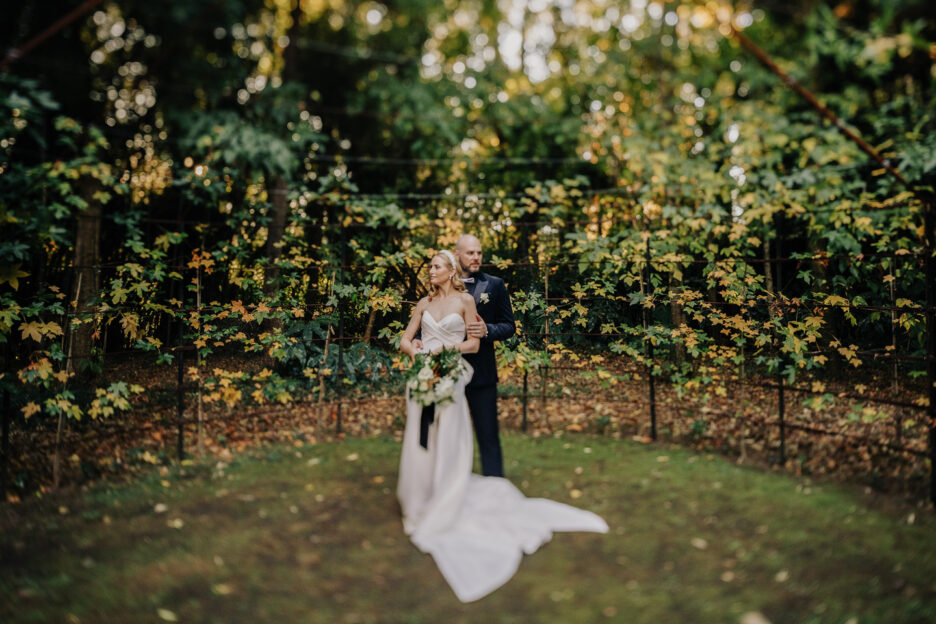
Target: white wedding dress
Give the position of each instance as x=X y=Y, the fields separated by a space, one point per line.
x=476 y=528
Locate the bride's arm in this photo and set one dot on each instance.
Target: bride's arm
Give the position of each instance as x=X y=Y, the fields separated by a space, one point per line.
x=470 y=345
x=406 y=343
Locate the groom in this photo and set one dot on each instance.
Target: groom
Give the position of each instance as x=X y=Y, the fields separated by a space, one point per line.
x=495 y=322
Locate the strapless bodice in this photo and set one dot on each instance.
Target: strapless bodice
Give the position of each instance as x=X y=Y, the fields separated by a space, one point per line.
x=447 y=332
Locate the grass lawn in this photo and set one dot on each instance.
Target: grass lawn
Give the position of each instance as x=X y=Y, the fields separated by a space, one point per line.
x=312 y=534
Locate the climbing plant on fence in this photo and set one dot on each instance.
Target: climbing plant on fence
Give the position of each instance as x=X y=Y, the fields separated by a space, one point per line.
x=260 y=236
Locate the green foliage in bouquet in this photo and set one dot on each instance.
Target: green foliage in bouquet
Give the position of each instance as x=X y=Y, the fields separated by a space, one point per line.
x=432 y=377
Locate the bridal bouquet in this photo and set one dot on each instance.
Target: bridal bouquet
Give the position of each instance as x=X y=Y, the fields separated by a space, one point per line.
x=431 y=379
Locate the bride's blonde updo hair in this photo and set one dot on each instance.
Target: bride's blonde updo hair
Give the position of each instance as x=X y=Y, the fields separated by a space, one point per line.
x=457 y=284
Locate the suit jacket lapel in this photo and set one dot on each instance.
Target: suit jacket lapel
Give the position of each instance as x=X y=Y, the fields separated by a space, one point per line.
x=480 y=287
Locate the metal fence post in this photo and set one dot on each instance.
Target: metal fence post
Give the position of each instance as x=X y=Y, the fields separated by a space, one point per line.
x=544 y=370
x=525 y=398
x=5 y=461
x=180 y=337
x=778 y=287
x=180 y=392
x=930 y=247
x=781 y=408
x=344 y=257
x=648 y=343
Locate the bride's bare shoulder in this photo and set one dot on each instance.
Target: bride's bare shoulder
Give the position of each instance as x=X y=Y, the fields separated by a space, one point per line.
x=467 y=299
x=421 y=304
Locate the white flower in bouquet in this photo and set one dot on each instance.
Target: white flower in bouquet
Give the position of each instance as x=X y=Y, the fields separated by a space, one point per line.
x=433 y=377
x=445 y=388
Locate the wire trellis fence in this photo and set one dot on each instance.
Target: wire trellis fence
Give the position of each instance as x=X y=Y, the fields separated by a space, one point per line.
x=179 y=394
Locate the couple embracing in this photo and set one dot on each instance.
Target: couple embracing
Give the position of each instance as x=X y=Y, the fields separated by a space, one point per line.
x=477 y=528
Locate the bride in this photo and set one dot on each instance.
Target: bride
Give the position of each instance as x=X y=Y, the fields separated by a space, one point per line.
x=476 y=528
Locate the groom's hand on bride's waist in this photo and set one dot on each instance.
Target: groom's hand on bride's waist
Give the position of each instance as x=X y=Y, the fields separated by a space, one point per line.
x=477 y=328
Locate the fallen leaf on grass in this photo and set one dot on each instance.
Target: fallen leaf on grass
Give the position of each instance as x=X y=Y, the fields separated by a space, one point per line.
x=167 y=615
x=699 y=543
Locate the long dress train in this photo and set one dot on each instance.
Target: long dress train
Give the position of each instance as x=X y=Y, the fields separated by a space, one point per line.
x=476 y=528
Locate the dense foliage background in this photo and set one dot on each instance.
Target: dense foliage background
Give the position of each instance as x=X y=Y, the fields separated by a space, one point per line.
x=257 y=180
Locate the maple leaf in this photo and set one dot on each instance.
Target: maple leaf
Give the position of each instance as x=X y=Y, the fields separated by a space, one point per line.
x=30 y=408
x=31 y=330
x=11 y=273
x=130 y=324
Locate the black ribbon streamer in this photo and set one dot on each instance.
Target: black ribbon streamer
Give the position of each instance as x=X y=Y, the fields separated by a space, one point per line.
x=425 y=420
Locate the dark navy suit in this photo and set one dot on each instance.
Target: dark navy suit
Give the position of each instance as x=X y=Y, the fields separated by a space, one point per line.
x=493 y=302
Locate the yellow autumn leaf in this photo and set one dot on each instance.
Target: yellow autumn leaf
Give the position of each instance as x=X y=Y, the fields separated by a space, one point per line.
x=130 y=324
x=30 y=408
x=31 y=330
x=44 y=368
x=11 y=273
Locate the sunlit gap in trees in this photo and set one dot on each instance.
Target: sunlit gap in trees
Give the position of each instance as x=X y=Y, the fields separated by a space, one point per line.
x=528 y=34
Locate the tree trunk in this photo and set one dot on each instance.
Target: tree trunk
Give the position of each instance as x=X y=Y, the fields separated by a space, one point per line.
x=370 y=325
x=274 y=244
x=85 y=261
x=86 y=258
x=768 y=268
